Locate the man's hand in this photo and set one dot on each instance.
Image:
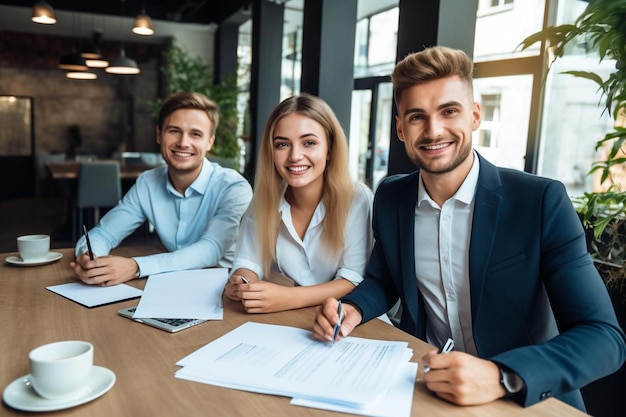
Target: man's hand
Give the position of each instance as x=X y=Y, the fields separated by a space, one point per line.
x=461 y=378
x=104 y=271
x=326 y=317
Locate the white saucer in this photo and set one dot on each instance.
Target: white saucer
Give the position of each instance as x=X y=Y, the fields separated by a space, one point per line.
x=50 y=257
x=21 y=396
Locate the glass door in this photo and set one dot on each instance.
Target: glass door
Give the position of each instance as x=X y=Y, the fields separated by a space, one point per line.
x=370 y=126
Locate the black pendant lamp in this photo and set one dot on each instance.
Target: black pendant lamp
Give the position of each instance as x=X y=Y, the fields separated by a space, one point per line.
x=122 y=64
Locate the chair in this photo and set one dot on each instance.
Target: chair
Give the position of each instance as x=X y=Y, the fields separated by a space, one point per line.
x=99 y=185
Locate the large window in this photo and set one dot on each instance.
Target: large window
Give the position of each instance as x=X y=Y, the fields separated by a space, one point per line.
x=512 y=87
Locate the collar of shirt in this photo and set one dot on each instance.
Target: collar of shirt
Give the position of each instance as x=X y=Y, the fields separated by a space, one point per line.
x=285 y=212
x=464 y=194
x=199 y=185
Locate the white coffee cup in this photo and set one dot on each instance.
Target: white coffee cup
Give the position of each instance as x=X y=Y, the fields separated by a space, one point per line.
x=61 y=370
x=33 y=247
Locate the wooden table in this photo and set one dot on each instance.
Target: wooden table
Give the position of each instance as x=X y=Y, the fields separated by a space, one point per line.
x=143 y=358
x=69 y=170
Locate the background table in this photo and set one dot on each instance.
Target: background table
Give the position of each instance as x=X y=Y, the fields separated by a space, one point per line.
x=144 y=358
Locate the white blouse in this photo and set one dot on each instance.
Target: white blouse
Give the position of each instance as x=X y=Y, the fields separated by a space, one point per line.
x=308 y=261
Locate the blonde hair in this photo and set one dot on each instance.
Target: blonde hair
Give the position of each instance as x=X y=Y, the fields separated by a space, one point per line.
x=431 y=64
x=338 y=189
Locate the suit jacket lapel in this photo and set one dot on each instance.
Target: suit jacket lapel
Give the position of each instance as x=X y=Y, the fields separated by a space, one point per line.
x=406 y=233
x=486 y=209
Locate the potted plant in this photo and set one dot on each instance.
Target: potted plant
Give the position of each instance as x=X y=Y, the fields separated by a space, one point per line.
x=190 y=73
x=602 y=27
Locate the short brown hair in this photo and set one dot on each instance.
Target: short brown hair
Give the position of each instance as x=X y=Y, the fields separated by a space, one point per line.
x=431 y=64
x=186 y=100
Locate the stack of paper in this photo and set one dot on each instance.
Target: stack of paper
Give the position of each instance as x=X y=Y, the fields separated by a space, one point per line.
x=360 y=376
x=190 y=294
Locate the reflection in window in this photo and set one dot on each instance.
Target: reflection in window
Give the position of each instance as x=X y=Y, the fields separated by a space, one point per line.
x=573 y=120
x=375 y=44
x=358 y=140
x=498 y=35
x=505 y=111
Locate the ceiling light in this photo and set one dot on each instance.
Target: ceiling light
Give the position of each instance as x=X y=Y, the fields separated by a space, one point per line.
x=82 y=75
x=43 y=13
x=73 y=62
x=97 y=63
x=122 y=65
x=143 y=24
x=91 y=52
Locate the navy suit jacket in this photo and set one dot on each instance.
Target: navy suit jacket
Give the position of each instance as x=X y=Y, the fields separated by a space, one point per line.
x=538 y=304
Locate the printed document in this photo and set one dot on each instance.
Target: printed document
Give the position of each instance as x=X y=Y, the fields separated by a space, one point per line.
x=353 y=373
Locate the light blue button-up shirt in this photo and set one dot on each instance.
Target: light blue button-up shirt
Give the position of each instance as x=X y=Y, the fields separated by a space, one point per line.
x=198 y=228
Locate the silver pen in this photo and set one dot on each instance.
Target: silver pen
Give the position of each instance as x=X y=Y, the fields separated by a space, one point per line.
x=341 y=315
x=446 y=348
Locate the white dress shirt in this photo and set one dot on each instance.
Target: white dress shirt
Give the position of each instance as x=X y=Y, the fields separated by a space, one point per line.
x=198 y=228
x=442 y=238
x=308 y=261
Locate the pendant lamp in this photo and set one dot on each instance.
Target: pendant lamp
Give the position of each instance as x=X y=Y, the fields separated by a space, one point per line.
x=73 y=62
x=122 y=65
x=43 y=13
x=143 y=24
x=81 y=75
x=91 y=52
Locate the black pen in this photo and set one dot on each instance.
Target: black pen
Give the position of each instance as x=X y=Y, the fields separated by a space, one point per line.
x=446 y=348
x=89 y=251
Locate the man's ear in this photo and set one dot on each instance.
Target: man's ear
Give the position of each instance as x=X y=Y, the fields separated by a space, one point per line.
x=158 y=135
x=211 y=142
x=399 y=129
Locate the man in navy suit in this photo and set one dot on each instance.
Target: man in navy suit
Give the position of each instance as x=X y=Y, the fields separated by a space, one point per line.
x=493 y=258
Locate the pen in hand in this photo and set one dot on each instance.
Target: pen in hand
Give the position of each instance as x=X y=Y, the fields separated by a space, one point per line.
x=446 y=348
x=89 y=251
x=341 y=315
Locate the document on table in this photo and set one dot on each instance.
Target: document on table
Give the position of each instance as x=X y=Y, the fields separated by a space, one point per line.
x=191 y=294
x=94 y=295
x=353 y=374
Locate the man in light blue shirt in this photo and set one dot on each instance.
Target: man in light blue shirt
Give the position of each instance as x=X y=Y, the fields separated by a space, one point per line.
x=194 y=205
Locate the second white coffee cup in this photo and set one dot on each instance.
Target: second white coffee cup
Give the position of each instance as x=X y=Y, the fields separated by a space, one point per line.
x=61 y=370
x=33 y=247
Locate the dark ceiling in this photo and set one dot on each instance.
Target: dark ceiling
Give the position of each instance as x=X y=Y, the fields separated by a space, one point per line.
x=183 y=11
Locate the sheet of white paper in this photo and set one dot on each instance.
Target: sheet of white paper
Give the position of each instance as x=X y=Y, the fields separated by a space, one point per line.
x=192 y=294
x=93 y=295
x=395 y=403
x=288 y=361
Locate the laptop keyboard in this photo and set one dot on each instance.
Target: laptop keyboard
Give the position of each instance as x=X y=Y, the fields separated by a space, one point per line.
x=173 y=322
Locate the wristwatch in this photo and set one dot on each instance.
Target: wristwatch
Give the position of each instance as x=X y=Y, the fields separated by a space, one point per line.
x=510 y=381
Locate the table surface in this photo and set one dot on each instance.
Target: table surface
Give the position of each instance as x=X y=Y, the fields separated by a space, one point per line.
x=144 y=358
x=69 y=170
